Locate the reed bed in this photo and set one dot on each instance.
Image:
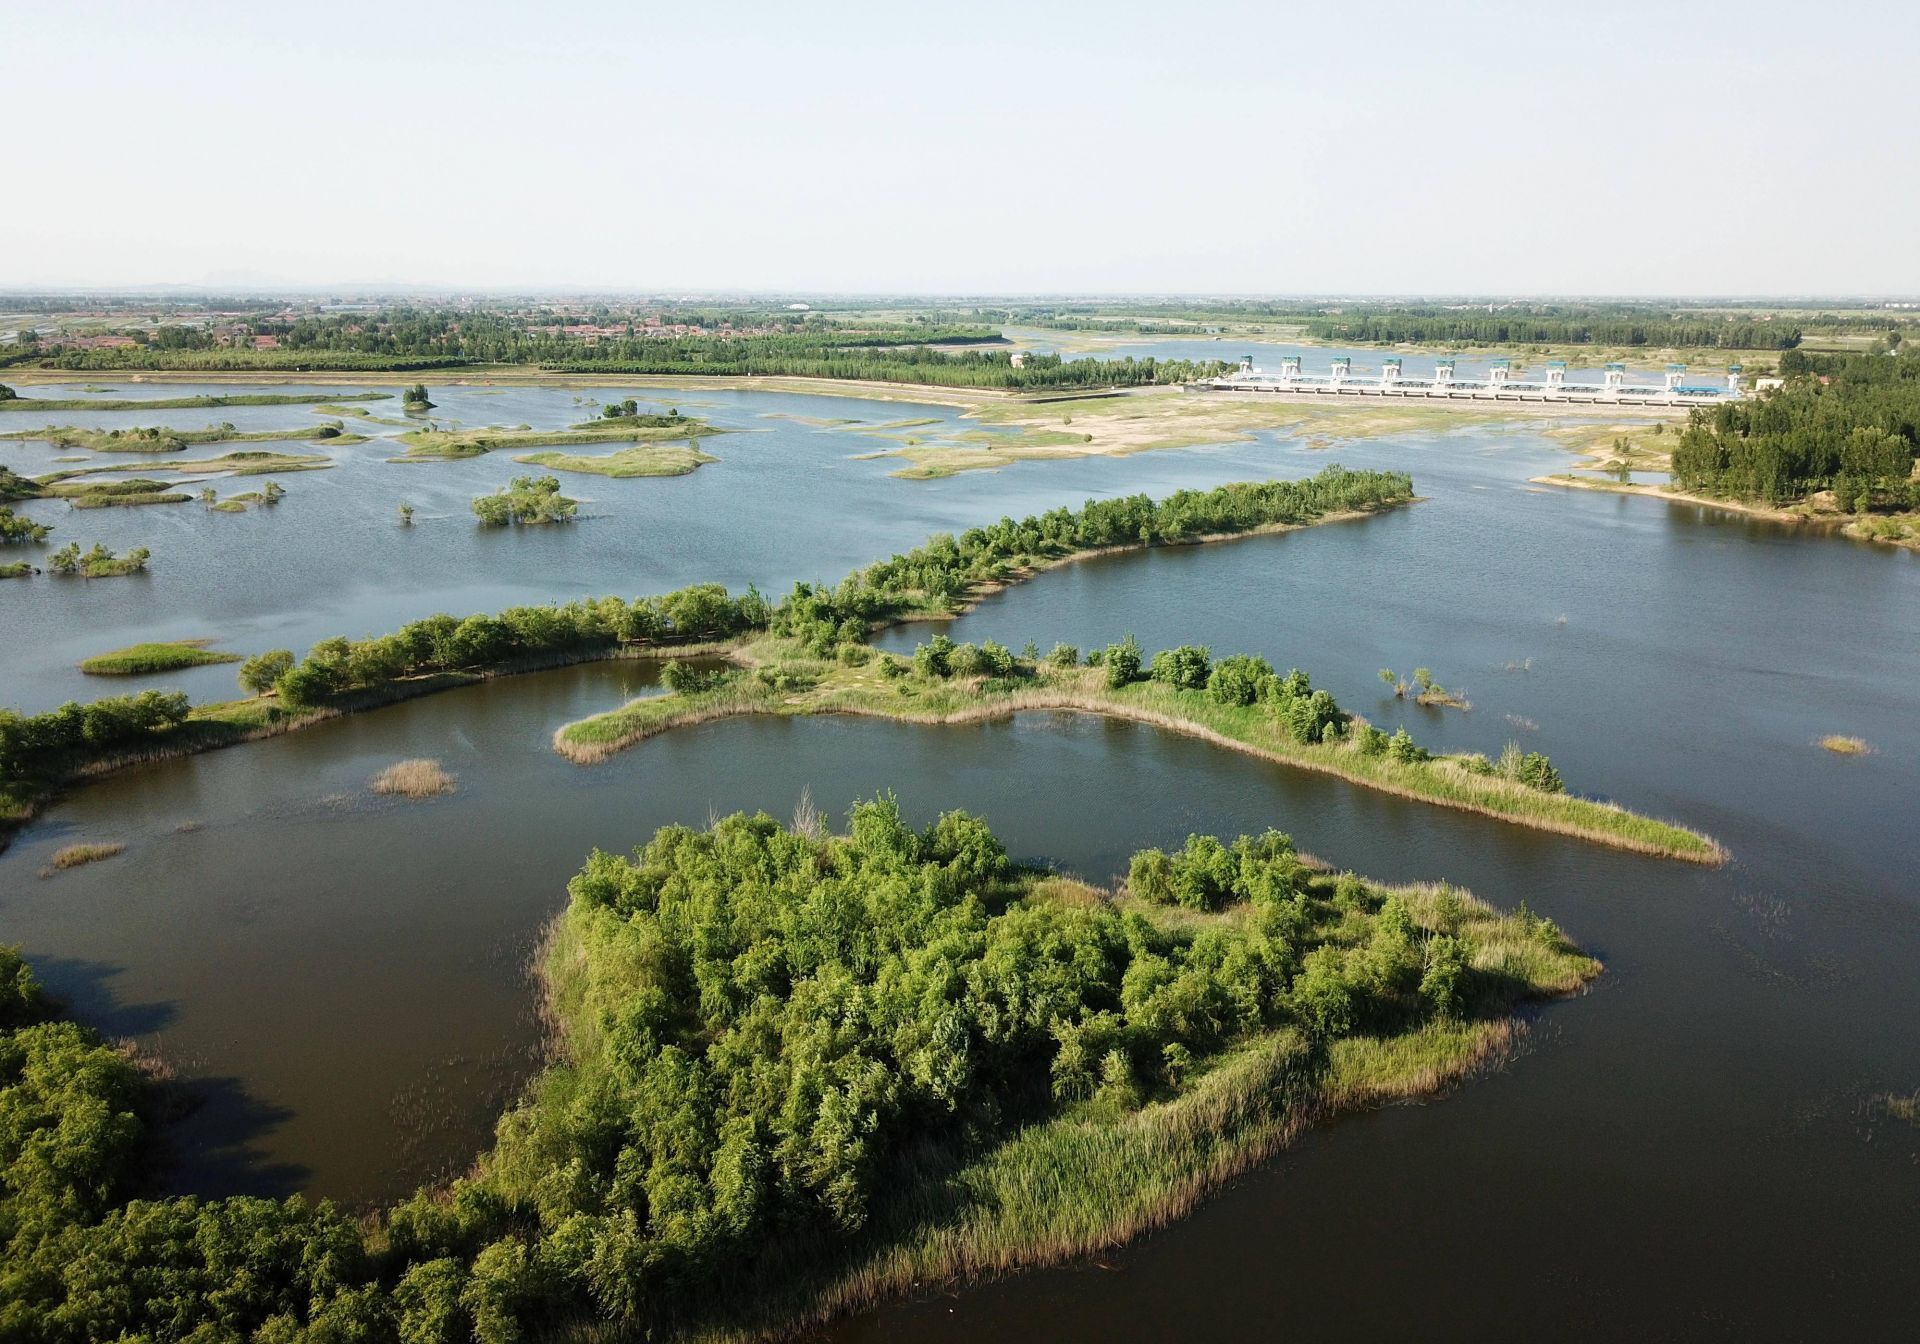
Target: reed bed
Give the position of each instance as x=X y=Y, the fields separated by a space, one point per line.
x=75 y=856
x=1846 y=746
x=417 y=778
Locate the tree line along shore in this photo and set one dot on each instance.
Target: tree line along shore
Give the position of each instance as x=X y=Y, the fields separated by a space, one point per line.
x=1834 y=445
x=826 y=625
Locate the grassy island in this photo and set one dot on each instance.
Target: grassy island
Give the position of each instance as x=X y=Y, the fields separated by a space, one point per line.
x=97 y=562
x=428 y=444
x=527 y=501
x=796 y=1073
x=360 y=413
x=164 y=440
x=246 y=462
x=652 y=459
x=118 y=494
x=169 y=656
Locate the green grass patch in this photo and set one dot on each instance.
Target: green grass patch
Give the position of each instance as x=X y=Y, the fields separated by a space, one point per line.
x=428 y=444
x=654 y=459
x=167 y=656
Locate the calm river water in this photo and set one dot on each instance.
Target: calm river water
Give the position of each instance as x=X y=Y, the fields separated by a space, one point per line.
x=1692 y=1150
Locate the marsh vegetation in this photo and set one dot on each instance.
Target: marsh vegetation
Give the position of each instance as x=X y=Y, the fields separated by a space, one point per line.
x=526 y=501
x=170 y=656
x=413 y=779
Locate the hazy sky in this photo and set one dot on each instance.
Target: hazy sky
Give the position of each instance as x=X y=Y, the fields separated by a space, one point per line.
x=964 y=147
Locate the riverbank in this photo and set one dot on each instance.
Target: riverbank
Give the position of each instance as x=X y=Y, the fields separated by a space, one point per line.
x=778 y=678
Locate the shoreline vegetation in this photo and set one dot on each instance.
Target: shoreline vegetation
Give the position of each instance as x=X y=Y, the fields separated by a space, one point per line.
x=1833 y=446
x=796 y=1073
x=1807 y=515
x=39 y=755
x=777 y=678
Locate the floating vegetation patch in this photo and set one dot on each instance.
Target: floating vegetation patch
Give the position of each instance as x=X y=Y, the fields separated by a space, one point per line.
x=418 y=778
x=75 y=856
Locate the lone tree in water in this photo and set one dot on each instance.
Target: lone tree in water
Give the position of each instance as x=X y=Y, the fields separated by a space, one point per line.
x=415 y=398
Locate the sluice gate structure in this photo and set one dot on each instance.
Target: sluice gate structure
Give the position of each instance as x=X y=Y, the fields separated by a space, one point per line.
x=1502 y=382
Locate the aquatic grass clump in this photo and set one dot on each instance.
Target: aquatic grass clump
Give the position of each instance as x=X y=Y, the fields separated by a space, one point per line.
x=418 y=778
x=1846 y=746
x=75 y=856
x=167 y=656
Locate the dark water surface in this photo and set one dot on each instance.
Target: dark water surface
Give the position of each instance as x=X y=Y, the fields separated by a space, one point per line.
x=1690 y=1151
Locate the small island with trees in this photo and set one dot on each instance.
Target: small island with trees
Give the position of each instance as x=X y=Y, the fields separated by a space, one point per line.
x=528 y=500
